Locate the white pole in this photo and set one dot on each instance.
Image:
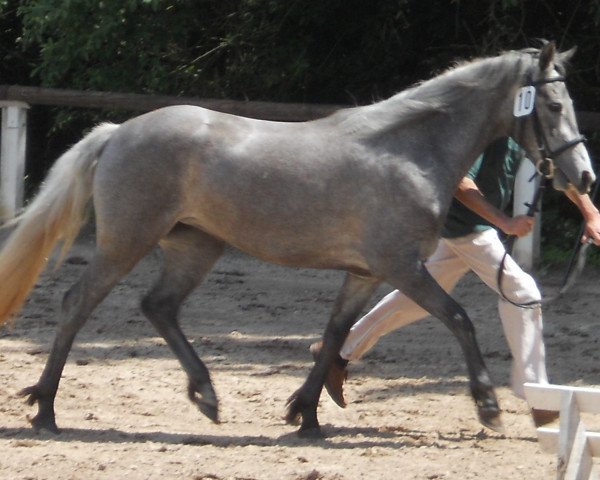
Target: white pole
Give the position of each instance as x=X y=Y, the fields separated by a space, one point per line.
x=526 y=249
x=12 y=157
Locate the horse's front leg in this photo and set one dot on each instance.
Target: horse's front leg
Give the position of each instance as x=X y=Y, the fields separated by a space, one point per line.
x=353 y=297
x=418 y=284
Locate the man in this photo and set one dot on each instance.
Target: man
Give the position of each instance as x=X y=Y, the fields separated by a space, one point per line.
x=470 y=241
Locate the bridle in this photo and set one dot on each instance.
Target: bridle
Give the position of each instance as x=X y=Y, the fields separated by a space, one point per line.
x=545 y=164
x=545 y=168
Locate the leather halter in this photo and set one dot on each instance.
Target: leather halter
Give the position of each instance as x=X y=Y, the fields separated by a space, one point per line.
x=545 y=166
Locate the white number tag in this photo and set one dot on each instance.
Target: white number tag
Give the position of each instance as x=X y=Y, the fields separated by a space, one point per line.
x=524 y=101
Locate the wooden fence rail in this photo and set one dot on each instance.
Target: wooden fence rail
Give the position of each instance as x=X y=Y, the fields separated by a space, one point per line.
x=291 y=112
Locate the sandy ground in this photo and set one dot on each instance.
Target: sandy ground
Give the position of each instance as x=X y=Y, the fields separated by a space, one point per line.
x=124 y=413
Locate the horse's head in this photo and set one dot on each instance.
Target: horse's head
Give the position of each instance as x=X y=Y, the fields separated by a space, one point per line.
x=546 y=126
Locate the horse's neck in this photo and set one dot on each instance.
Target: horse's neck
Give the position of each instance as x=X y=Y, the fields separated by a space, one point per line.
x=464 y=110
x=443 y=125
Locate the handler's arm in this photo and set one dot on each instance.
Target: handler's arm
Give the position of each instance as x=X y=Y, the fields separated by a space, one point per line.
x=590 y=214
x=469 y=194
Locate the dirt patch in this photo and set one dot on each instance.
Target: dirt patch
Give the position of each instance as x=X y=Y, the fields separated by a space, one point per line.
x=124 y=413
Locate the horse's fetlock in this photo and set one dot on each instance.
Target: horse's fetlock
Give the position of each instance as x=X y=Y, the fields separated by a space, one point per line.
x=204 y=389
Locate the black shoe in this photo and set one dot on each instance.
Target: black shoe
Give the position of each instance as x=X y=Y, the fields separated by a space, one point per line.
x=543 y=417
x=336 y=376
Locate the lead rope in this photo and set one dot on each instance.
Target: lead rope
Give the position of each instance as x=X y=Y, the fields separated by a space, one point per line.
x=544 y=168
x=532 y=208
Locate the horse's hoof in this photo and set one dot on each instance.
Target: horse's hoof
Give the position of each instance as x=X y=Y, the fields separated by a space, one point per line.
x=209 y=410
x=45 y=419
x=299 y=412
x=206 y=401
x=312 y=432
x=43 y=422
x=492 y=419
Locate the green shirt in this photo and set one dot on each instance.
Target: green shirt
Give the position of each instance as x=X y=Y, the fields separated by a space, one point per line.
x=494 y=173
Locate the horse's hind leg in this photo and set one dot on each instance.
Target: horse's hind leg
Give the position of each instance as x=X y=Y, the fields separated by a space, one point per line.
x=353 y=297
x=188 y=256
x=103 y=272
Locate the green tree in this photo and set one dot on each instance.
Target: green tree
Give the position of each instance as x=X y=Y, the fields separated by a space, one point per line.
x=290 y=50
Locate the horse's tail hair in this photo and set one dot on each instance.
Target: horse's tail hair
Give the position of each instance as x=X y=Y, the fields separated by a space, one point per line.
x=56 y=213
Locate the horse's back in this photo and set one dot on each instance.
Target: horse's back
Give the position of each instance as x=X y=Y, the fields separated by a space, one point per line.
x=293 y=193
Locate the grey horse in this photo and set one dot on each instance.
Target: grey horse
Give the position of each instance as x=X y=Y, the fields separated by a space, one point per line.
x=365 y=190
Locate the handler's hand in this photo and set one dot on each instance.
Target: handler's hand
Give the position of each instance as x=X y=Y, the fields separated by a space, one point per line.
x=518 y=226
x=592 y=232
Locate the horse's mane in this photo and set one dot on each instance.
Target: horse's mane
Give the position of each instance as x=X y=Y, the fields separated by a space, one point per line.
x=438 y=94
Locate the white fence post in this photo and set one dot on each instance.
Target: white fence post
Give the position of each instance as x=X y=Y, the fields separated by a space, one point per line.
x=574 y=445
x=526 y=250
x=12 y=157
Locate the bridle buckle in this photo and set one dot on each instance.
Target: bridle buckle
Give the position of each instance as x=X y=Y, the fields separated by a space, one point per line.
x=545 y=167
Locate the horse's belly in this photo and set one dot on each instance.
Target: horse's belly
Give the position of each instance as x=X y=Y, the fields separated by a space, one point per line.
x=297 y=246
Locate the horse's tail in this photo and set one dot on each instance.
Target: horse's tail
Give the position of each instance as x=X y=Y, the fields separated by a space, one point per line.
x=56 y=213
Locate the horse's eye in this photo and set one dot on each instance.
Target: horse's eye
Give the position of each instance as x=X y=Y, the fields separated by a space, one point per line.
x=555 y=107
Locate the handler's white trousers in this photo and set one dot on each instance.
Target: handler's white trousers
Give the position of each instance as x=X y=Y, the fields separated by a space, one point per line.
x=482 y=253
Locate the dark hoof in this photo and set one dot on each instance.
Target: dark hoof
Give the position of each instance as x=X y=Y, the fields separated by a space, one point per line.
x=45 y=419
x=299 y=413
x=491 y=418
x=43 y=422
x=312 y=433
x=205 y=401
x=209 y=410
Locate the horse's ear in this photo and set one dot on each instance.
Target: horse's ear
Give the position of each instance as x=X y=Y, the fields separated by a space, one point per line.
x=565 y=57
x=547 y=54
